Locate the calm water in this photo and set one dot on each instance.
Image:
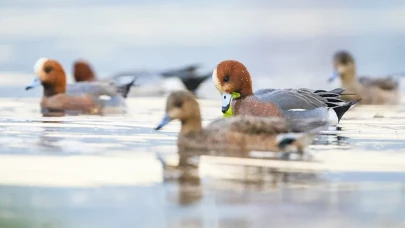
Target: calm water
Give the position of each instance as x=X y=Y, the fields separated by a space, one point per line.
x=106 y=171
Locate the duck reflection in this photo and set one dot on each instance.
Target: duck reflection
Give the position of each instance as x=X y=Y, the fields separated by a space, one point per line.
x=332 y=138
x=187 y=175
x=46 y=140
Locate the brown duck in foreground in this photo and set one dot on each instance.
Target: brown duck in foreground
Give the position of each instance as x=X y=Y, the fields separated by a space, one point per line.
x=241 y=133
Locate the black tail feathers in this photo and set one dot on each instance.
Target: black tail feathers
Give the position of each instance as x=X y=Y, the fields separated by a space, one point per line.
x=126 y=88
x=192 y=83
x=342 y=109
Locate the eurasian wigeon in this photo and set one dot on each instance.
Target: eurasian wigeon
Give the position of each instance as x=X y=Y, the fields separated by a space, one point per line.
x=83 y=72
x=241 y=133
x=80 y=98
x=375 y=91
x=233 y=81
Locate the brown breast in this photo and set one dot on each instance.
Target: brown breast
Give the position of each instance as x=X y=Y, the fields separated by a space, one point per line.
x=83 y=104
x=252 y=106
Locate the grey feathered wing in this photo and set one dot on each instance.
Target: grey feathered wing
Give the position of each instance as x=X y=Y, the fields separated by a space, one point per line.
x=94 y=89
x=114 y=104
x=287 y=99
x=313 y=103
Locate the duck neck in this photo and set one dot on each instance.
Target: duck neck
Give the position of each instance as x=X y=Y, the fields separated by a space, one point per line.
x=85 y=77
x=247 y=86
x=246 y=92
x=191 y=125
x=349 y=77
x=52 y=90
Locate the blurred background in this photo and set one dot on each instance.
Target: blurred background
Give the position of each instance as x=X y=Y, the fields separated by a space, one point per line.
x=277 y=40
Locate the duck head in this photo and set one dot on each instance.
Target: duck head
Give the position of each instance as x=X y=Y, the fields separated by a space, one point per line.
x=232 y=79
x=182 y=105
x=50 y=75
x=344 y=67
x=83 y=72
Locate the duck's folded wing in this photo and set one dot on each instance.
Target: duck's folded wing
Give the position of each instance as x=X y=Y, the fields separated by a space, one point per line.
x=388 y=83
x=94 y=89
x=250 y=125
x=267 y=125
x=287 y=99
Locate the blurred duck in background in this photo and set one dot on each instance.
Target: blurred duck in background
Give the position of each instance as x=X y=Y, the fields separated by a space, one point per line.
x=59 y=98
x=191 y=79
x=83 y=72
x=371 y=91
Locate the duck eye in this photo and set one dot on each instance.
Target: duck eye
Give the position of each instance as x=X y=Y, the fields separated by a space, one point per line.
x=48 y=69
x=178 y=104
x=226 y=79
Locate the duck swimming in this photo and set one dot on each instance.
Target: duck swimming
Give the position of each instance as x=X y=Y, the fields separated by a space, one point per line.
x=83 y=72
x=373 y=91
x=80 y=98
x=233 y=81
x=242 y=133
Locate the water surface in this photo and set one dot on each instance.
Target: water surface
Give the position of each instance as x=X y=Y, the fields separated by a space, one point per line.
x=106 y=171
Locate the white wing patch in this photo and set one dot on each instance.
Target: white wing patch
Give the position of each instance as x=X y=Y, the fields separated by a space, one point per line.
x=104 y=97
x=297 y=110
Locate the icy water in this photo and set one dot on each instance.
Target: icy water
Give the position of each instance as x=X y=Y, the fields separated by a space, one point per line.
x=106 y=171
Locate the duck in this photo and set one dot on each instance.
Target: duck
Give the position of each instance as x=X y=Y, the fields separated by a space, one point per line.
x=233 y=81
x=371 y=91
x=82 y=71
x=239 y=133
x=60 y=98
